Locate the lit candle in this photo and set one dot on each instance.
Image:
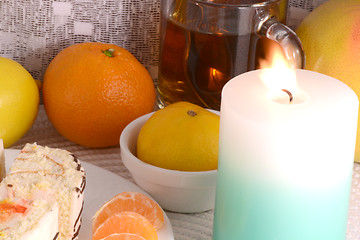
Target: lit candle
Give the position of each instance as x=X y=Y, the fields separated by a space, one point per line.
x=285 y=167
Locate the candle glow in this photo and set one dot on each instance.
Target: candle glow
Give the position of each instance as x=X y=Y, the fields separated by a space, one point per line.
x=278 y=76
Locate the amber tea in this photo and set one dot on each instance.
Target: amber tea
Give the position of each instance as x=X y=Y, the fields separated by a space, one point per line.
x=196 y=71
x=206 y=43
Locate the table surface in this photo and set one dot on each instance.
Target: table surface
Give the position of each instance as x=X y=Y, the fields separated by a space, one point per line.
x=185 y=226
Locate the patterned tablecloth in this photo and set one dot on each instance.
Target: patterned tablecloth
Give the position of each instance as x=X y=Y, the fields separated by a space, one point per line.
x=185 y=226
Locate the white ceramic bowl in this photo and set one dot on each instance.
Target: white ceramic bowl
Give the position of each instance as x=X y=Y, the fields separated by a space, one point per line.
x=178 y=191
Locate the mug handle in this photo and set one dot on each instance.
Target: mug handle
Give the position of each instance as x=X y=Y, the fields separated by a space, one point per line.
x=287 y=38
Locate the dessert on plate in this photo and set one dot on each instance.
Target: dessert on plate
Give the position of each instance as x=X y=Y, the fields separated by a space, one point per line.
x=2 y=160
x=41 y=197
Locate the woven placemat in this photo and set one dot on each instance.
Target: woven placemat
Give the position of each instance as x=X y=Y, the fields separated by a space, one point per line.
x=185 y=226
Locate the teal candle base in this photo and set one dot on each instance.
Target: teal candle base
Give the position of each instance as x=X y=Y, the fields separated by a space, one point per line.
x=259 y=209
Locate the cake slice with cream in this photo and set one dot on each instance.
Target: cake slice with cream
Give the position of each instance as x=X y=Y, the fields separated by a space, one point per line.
x=2 y=160
x=42 y=195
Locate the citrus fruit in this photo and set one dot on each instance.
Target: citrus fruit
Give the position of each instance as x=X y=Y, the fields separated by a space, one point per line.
x=123 y=236
x=130 y=202
x=330 y=35
x=126 y=222
x=93 y=90
x=19 y=101
x=186 y=137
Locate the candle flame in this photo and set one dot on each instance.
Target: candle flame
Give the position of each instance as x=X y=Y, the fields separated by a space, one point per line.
x=278 y=75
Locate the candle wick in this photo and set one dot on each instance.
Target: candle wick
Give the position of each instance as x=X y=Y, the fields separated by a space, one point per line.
x=289 y=93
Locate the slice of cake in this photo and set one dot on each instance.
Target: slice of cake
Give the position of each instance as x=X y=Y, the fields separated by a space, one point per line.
x=2 y=160
x=42 y=195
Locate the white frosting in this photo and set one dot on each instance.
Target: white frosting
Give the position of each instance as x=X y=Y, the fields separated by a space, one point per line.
x=77 y=206
x=40 y=221
x=53 y=177
x=46 y=228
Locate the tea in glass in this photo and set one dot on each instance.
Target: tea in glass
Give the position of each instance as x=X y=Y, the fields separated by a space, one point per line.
x=204 y=44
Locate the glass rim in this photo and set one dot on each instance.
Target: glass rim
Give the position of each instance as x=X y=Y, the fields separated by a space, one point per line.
x=260 y=3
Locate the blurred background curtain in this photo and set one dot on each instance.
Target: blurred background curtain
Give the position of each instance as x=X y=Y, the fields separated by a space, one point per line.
x=32 y=32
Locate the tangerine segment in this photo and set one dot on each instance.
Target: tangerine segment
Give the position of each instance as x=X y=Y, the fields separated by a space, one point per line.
x=132 y=202
x=126 y=222
x=123 y=236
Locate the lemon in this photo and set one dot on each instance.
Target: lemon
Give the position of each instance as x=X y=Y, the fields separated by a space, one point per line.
x=19 y=101
x=182 y=136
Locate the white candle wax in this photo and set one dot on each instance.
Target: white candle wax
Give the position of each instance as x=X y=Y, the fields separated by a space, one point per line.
x=279 y=161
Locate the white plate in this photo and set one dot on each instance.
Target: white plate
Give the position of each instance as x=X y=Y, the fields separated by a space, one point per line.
x=101 y=185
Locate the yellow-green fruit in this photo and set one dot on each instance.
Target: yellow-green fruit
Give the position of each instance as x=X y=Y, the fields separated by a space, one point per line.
x=19 y=101
x=330 y=35
x=182 y=136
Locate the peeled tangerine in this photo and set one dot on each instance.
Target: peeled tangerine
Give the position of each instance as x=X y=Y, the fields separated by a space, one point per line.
x=182 y=136
x=126 y=222
x=130 y=202
x=128 y=216
x=331 y=39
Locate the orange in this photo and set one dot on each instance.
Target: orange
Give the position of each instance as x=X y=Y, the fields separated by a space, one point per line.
x=123 y=236
x=132 y=202
x=91 y=91
x=126 y=222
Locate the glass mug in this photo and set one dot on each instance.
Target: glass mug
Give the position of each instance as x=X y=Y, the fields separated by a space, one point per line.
x=205 y=43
